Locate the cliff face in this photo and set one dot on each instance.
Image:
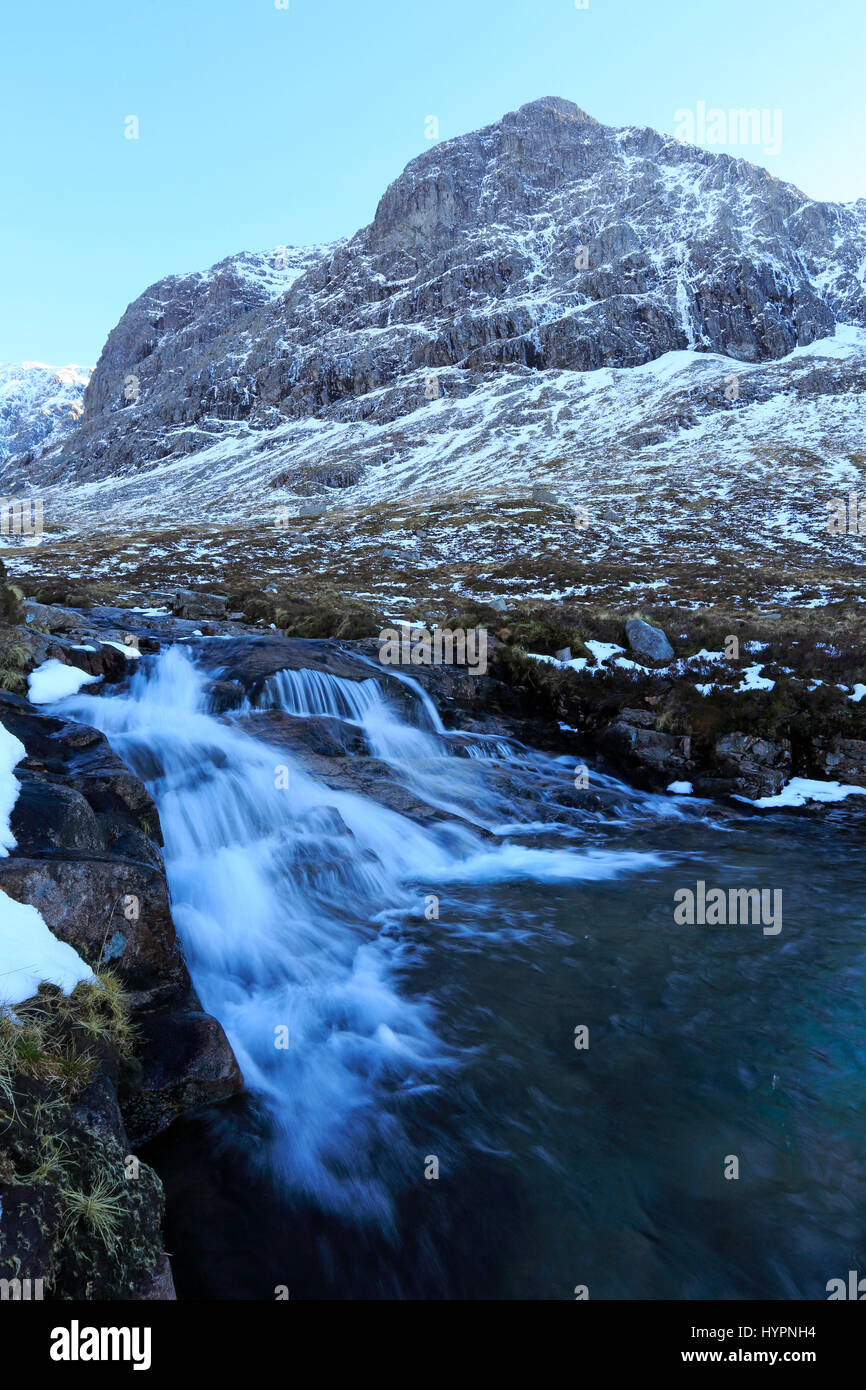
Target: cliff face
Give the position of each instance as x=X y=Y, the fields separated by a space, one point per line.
x=546 y=240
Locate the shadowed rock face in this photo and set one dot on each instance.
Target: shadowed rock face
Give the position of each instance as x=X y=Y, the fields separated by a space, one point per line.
x=470 y=266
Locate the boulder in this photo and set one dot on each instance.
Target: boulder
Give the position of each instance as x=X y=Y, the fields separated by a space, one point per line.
x=224 y=695
x=842 y=760
x=633 y=741
x=752 y=766
x=113 y=911
x=194 y=606
x=648 y=644
x=52 y=818
x=50 y=618
x=186 y=1062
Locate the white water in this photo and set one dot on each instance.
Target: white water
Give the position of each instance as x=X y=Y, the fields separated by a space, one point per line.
x=296 y=905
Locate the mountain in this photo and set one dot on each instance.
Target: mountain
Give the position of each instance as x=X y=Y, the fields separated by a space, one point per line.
x=547 y=301
x=38 y=405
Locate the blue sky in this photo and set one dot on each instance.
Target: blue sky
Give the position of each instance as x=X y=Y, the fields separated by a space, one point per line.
x=262 y=126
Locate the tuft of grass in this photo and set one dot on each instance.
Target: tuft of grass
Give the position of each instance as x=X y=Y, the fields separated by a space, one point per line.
x=101 y=1010
x=98 y=1209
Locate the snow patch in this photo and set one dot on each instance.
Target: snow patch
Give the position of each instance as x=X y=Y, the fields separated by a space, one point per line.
x=802 y=789
x=30 y=953
x=12 y=750
x=55 y=681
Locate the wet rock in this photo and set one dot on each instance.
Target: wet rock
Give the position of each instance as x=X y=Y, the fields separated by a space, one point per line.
x=648 y=644
x=194 y=606
x=186 y=1062
x=224 y=695
x=52 y=818
x=842 y=760
x=251 y=660
x=457 y=686
x=633 y=742
x=752 y=766
x=113 y=911
x=105 y=661
x=306 y=734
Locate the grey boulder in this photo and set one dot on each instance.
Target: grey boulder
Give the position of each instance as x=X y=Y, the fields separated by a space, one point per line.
x=648 y=644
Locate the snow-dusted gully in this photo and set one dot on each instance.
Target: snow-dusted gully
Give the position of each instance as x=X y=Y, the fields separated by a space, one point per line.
x=404 y=981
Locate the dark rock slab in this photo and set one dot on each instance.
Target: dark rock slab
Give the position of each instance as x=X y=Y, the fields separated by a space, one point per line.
x=186 y=1062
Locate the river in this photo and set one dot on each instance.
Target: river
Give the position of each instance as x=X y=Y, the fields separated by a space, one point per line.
x=482 y=1058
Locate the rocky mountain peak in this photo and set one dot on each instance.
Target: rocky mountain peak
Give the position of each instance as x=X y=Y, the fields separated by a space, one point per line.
x=544 y=242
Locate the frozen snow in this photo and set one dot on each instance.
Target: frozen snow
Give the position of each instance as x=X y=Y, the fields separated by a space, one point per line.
x=12 y=750
x=753 y=680
x=802 y=789
x=127 y=649
x=55 y=681
x=30 y=953
x=681 y=788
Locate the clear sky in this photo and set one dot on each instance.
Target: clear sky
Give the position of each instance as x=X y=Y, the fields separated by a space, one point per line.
x=261 y=126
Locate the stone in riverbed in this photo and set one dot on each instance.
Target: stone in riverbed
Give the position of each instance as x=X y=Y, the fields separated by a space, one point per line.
x=195 y=606
x=648 y=644
x=632 y=742
x=842 y=760
x=186 y=1062
x=752 y=766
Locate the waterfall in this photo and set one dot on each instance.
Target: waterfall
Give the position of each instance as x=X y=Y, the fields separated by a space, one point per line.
x=297 y=904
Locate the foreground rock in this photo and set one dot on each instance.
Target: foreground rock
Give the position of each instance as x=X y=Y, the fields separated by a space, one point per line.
x=632 y=738
x=88 y=857
x=192 y=605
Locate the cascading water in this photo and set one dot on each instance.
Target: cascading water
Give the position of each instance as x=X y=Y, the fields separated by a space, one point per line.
x=300 y=884
x=289 y=898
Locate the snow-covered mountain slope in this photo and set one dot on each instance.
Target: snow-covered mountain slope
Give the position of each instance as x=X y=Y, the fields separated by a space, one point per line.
x=669 y=339
x=547 y=240
x=623 y=484
x=38 y=405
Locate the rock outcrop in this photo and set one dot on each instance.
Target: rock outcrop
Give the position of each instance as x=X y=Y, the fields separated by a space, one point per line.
x=88 y=858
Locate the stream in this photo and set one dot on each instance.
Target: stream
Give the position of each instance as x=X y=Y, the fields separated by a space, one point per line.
x=402 y=937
